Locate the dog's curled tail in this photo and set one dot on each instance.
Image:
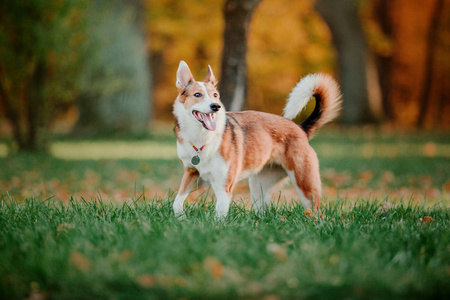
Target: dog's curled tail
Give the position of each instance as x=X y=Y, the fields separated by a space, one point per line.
x=328 y=101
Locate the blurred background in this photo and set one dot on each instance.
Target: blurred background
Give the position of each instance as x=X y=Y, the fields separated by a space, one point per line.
x=101 y=67
x=73 y=70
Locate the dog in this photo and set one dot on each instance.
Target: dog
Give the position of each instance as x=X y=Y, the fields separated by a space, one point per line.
x=225 y=147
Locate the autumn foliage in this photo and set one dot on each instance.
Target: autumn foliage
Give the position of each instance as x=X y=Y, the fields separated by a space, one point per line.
x=407 y=42
x=46 y=48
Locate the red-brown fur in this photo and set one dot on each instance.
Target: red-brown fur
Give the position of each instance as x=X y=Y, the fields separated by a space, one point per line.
x=264 y=146
x=190 y=176
x=269 y=139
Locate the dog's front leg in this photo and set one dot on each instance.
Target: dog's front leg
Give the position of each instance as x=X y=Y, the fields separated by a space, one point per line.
x=190 y=176
x=223 y=203
x=223 y=190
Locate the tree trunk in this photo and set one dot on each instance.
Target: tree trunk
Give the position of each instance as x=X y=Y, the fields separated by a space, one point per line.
x=233 y=81
x=121 y=72
x=13 y=116
x=38 y=112
x=349 y=40
x=410 y=75
x=429 y=72
x=29 y=119
x=381 y=12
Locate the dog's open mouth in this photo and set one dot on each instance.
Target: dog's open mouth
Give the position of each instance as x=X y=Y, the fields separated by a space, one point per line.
x=207 y=120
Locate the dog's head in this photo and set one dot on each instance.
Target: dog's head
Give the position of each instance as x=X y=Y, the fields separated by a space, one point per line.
x=198 y=102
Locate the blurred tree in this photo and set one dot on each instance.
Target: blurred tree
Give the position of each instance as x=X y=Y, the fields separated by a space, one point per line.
x=117 y=96
x=275 y=65
x=348 y=37
x=42 y=51
x=182 y=30
x=414 y=63
x=432 y=41
x=193 y=31
x=233 y=81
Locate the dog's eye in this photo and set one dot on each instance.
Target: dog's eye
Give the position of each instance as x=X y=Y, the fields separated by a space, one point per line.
x=216 y=95
x=198 y=95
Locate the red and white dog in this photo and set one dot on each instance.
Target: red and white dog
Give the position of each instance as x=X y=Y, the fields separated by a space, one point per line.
x=224 y=147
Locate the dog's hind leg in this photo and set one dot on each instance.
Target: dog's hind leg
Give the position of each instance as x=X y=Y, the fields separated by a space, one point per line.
x=187 y=183
x=306 y=178
x=262 y=186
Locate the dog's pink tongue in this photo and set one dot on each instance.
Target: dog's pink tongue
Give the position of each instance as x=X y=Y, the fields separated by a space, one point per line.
x=209 y=122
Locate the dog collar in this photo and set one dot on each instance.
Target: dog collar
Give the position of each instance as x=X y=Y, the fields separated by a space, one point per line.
x=196 y=159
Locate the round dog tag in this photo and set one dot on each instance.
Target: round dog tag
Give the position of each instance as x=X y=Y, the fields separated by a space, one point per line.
x=195 y=160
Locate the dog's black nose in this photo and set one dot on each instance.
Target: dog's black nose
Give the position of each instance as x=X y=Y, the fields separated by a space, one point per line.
x=215 y=106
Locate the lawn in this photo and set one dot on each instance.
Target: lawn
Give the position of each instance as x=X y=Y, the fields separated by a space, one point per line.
x=78 y=225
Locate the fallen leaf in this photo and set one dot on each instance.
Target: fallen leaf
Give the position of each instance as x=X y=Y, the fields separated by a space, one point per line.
x=426 y=220
x=365 y=176
x=337 y=178
x=125 y=255
x=447 y=187
x=277 y=250
x=80 y=261
x=146 y=280
x=214 y=266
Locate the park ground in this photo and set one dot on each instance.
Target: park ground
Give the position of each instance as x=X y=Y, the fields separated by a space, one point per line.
x=93 y=220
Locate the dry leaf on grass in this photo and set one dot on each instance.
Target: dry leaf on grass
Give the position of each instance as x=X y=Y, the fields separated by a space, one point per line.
x=426 y=220
x=213 y=266
x=146 y=280
x=80 y=261
x=277 y=250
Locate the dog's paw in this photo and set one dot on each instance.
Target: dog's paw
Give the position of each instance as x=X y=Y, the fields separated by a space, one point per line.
x=180 y=216
x=220 y=217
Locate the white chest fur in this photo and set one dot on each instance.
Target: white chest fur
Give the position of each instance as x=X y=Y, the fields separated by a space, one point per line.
x=211 y=167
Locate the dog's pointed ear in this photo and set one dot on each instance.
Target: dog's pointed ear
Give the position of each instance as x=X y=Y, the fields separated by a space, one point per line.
x=184 y=76
x=210 y=78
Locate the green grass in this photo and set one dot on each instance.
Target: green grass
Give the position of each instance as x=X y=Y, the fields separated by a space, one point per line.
x=66 y=234
x=98 y=250
x=153 y=164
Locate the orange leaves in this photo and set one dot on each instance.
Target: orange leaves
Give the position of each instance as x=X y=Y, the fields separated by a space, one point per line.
x=213 y=266
x=80 y=261
x=278 y=251
x=337 y=179
x=426 y=220
x=146 y=280
x=365 y=176
x=125 y=256
x=381 y=184
x=447 y=187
